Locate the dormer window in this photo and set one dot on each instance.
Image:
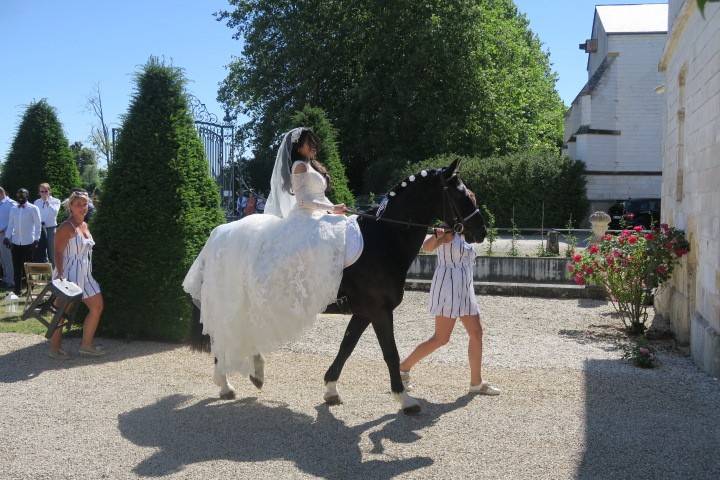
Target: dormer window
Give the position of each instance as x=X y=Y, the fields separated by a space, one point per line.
x=590 y=45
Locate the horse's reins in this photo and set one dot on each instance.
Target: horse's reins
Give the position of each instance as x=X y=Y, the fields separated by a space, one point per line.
x=458 y=227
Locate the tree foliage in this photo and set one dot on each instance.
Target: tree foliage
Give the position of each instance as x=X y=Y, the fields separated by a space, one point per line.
x=86 y=161
x=159 y=205
x=401 y=81
x=40 y=153
x=523 y=183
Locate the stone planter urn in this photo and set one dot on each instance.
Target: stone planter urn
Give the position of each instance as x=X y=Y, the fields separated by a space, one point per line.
x=599 y=222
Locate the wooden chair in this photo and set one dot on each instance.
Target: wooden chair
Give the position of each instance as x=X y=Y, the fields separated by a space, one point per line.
x=58 y=297
x=38 y=275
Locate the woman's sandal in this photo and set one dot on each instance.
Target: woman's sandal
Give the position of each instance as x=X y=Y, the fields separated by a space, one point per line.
x=91 y=351
x=59 y=354
x=484 y=388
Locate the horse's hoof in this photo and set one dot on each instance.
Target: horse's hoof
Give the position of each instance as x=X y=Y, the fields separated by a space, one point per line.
x=229 y=395
x=333 y=400
x=257 y=382
x=411 y=410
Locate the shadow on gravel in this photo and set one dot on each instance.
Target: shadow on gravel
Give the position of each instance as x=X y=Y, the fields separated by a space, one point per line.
x=402 y=428
x=591 y=303
x=249 y=430
x=606 y=337
x=29 y=362
x=646 y=424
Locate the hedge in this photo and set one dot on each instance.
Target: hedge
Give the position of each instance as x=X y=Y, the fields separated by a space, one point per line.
x=524 y=183
x=159 y=205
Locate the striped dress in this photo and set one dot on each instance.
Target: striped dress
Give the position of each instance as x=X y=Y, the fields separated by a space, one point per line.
x=77 y=264
x=452 y=294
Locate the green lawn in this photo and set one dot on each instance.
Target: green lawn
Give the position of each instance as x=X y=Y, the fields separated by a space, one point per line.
x=12 y=323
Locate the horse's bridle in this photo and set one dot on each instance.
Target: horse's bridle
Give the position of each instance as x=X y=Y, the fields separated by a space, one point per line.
x=458 y=220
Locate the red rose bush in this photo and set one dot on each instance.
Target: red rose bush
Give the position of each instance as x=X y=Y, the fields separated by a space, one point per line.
x=631 y=267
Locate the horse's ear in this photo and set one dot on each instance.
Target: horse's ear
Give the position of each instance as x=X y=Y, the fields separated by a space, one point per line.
x=453 y=168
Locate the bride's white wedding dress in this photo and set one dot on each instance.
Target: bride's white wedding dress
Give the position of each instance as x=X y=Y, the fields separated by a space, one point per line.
x=262 y=280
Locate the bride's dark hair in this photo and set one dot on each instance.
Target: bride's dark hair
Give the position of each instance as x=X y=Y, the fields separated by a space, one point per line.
x=309 y=136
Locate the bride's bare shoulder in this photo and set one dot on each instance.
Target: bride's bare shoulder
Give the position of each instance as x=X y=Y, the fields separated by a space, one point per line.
x=299 y=167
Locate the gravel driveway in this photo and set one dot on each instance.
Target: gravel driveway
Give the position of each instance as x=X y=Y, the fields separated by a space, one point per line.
x=571 y=408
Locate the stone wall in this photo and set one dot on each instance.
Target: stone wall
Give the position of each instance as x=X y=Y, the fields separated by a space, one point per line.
x=691 y=177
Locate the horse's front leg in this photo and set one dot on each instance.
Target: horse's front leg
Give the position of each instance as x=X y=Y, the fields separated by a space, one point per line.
x=354 y=331
x=383 y=326
x=227 y=392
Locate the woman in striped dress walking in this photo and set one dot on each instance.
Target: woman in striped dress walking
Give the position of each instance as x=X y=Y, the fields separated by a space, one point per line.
x=452 y=296
x=73 y=261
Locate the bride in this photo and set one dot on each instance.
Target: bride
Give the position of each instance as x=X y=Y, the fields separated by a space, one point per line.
x=261 y=281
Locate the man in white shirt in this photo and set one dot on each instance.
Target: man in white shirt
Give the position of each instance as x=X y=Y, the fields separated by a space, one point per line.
x=49 y=207
x=22 y=235
x=6 y=203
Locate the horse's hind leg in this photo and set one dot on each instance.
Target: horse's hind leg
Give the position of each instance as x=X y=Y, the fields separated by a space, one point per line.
x=383 y=327
x=227 y=392
x=258 y=376
x=354 y=331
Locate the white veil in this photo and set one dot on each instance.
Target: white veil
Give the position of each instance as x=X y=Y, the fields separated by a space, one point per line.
x=281 y=200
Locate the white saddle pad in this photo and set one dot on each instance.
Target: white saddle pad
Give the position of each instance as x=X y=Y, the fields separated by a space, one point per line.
x=353 y=241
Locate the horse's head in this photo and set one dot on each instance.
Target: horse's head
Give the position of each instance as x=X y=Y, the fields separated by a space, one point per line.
x=459 y=207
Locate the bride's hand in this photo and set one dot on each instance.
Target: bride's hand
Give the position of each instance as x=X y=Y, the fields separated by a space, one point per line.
x=339 y=209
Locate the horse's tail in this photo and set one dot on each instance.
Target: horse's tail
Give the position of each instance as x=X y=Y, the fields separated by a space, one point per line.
x=198 y=341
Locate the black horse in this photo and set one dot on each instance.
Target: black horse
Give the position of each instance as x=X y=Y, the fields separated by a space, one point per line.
x=373 y=286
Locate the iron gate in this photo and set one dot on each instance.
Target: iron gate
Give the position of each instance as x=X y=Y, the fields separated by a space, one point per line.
x=220 y=150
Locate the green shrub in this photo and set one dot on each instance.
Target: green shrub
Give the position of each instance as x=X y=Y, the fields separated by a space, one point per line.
x=40 y=153
x=522 y=182
x=159 y=205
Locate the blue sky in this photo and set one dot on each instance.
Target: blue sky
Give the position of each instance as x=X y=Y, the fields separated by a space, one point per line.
x=60 y=50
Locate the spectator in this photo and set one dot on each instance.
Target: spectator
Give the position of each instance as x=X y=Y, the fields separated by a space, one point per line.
x=49 y=207
x=6 y=203
x=242 y=203
x=22 y=235
x=250 y=206
x=260 y=205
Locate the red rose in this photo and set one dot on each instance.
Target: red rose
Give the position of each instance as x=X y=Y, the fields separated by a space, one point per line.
x=649 y=236
x=616 y=253
x=632 y=240
x=680 y=251
x=608 y=237
x=579 y=280
x=625 y=233
x=638 y=228
x=577 y=258
x=609 y=260
x=661 y=269
x=589 y=270
x=664 y=226
x=594 y=249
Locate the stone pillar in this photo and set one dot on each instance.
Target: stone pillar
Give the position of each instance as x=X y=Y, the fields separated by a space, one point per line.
x=553 y=242
x=599 y=222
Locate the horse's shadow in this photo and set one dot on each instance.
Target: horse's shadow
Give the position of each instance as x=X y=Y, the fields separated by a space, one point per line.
x=248 y=430
x=403 y=428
